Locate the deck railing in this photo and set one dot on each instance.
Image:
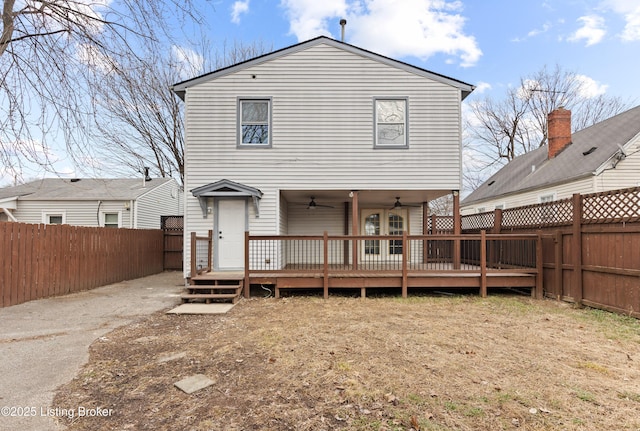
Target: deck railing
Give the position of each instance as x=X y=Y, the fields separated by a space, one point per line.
x=340 y=253
x=201 y=253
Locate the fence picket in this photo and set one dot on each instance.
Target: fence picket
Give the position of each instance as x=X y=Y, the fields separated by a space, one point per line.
x=39 y=261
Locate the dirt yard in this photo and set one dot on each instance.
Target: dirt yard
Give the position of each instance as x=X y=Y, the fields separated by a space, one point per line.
x=422 y=363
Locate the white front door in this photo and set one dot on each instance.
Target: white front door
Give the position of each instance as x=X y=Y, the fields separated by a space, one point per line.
x=230 y=235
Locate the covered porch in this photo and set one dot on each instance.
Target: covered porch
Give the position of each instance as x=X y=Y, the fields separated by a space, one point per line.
x=339 y=239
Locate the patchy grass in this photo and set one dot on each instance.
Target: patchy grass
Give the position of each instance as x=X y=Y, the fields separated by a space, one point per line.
x=387 y=363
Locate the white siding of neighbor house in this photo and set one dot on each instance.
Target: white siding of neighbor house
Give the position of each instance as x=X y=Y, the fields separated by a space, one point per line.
x=76 y=213
x=560 y=191
x=322 y=132
x=626 y=173
x=162 y=200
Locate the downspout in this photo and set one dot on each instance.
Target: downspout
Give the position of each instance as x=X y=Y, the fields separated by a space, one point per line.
x=8 y=213
x=135 y=214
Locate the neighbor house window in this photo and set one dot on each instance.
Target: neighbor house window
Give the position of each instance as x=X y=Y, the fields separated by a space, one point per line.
x=254 y=122
x=111 y=220
x=53 y=218
x=391 y=123
x=547 y=198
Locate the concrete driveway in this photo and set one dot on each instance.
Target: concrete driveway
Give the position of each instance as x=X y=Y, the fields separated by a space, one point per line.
x=44 y=343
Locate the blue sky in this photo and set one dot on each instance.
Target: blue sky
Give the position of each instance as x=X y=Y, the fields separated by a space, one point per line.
x=490 y=44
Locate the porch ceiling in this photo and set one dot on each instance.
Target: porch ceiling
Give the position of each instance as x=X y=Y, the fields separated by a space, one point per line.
x=365 y=197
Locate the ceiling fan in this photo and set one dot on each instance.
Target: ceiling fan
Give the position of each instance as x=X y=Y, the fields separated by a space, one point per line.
x=398 y=205
x=312 y=205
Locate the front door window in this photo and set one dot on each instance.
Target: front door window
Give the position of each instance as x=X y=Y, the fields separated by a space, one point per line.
x=377 y=222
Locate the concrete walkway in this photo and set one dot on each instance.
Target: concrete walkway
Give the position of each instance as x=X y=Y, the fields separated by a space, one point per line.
x=44 y=343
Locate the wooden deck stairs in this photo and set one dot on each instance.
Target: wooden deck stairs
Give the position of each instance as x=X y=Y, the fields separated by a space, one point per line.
x=214 y=287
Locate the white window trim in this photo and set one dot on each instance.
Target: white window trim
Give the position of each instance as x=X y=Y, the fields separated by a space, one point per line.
x=375 y=123
x=553 y=196
x=103 y=214
x=48 y=213
x=240 y=144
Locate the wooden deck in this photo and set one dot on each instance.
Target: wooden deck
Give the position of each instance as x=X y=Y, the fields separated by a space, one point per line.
x=412 y=281
x=432 y=261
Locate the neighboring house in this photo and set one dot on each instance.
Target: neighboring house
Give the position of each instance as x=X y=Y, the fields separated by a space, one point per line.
x=320 y=136
x=129 y=203
x=605 y=156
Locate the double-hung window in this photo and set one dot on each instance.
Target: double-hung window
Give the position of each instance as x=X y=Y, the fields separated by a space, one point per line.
x=391 y=123
x=254 y=118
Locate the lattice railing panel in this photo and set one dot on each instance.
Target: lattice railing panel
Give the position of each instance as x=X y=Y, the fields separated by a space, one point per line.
x=612 y=206
x=443 y=225
x=478 y=222
x=556 y=213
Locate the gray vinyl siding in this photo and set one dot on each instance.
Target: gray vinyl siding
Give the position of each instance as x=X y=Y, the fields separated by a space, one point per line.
x=322 y=102
x=159 y=201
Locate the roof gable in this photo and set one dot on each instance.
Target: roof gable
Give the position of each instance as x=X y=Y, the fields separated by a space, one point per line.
x=181 y=87
x=591 y=149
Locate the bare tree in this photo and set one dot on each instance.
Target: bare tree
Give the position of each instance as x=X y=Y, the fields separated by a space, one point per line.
x=497 y=131
x=139 y=121
x=50 y=50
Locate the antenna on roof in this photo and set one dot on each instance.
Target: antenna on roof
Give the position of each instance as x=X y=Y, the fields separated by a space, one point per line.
x=343 y=23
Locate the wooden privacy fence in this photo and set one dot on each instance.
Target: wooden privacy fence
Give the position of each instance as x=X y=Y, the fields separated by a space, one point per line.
x=590 y=246
x=38 y=260
x=173 y=228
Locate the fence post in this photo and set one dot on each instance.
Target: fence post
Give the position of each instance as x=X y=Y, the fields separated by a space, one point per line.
x=577 y=248
x=558 y=262
x=483 y=263
x=539 y=293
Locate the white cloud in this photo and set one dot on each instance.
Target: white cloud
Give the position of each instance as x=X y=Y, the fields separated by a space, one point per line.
x=189 y=62
x=309 y=18
x=632 y=28
x=482 y=87
x=590 y=88
x=592 y=30
x=420 y=28
x=237 y=9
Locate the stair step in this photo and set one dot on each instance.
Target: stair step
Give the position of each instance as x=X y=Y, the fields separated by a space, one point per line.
x=208 y=296
x=214 y=287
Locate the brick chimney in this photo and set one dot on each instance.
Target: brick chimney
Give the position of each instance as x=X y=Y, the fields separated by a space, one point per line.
x=559 y=131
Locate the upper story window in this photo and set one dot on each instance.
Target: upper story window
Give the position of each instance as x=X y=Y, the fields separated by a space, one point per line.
x=547 y=198
x=254 y=122
x=391 y=123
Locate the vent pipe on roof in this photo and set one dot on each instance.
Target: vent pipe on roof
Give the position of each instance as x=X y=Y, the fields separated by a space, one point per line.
x=343 y=23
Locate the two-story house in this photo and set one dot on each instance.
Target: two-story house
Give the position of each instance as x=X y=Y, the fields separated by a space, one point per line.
x=318 y=137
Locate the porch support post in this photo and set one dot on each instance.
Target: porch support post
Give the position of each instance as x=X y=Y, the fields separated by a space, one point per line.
x=345 y=254
x=483 y=263
x=210 y=251
x=457 y=229
x=355 y=228
x=405 y=253
x=425 y=229
x=247 y=285
x=325 y=270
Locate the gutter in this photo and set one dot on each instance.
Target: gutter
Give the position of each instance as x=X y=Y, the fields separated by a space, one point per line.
x=8 y=213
